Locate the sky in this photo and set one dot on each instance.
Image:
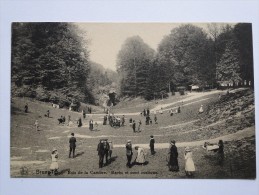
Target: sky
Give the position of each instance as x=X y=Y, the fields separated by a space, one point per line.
x=106 y=39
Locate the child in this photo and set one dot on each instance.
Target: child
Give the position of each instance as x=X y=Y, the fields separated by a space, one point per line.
x=36 y=125
x=54 y=162
x=189 y=164
x=152 y=145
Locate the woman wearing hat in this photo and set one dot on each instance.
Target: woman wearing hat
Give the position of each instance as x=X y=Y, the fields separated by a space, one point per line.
x=54 y=162
x=189 y=164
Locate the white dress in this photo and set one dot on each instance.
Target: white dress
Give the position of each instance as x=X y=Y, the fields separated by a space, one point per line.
x=189 y=164
x=54 y=161
x=141 y=156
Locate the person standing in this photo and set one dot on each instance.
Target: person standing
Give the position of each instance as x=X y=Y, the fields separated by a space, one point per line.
x=54 y=162
x=129 y=153
x=201 y=109
x=72 y=145
x=148 y=112
x=144 y=112
x=134 y=126
x=173 y=160
x=189 y=164
x=152 y=144
x=79 y=122
x=123 y=120
x=100 y=149
x=36 y=125
x=141 y=158
x=84 y=114
x=106 y=148
x=26 y=108
x=155 y=119
x=179 y=109
x=139 y=126
x=221 y=153
x=110 y=149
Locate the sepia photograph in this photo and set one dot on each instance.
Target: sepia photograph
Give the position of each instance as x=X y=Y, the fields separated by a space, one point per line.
x=132 y=100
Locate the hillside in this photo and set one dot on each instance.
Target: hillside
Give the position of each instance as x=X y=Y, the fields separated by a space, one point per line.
x=32 y=149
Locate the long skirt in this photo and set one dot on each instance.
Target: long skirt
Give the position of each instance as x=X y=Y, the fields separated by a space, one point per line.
x=53 y=166
x=173 y=164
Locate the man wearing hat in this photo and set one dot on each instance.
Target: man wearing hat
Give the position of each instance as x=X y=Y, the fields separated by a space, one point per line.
x=101 y=152
x=152 y=144
x=129 y=153
x=72 y=145
x=173 y=161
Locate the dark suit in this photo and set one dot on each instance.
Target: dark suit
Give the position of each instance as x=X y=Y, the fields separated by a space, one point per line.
x=152 y=145
x=101 y=152
x=72 y=146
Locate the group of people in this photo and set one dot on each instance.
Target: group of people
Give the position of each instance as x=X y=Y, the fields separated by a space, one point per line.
x=114 y=121
x=104 y=149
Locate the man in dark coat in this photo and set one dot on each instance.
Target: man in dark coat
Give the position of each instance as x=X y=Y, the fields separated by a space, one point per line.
x=173 y=160
x=106 y=148
x=72 y=145
x=134 y=126
x=129 y=153
x=148 y=112
x=152 y=144
x=100 y=149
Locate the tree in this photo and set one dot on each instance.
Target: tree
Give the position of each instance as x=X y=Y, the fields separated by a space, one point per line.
x=50 y=56
x=228 y=68
x=133 y=63
x=185 y=54
x=243 y=34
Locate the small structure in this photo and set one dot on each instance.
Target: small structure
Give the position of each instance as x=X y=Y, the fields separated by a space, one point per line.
x=181 y=90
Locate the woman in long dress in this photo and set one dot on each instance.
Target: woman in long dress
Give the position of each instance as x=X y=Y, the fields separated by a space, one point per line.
x=141 y=159
x=54 y=162
x=173 y=159
x=189 y=164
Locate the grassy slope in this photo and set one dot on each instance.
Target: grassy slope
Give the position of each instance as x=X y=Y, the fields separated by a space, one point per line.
x=26 y=143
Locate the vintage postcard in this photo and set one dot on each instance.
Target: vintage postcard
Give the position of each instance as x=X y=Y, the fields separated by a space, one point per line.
x=132 y=100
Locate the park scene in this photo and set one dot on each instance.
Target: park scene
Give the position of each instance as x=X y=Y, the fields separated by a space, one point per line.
x=136 y=100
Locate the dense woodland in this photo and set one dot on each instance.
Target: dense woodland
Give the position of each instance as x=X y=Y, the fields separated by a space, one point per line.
x=50 y=62
x=189 y=55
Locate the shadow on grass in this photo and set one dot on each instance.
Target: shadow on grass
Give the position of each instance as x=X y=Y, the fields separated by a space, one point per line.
x=79 y=154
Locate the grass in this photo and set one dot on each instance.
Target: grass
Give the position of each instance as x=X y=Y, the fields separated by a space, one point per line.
x=28 y=145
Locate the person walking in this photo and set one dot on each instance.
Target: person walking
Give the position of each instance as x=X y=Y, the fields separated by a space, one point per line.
x=152 y=145
x=173 y=160
x=54 y=162
x=72 y=145
x=129 y=153
x=189 y=164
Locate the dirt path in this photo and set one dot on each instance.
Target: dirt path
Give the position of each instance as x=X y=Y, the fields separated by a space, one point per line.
x=248 y=132
x=191 y=96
